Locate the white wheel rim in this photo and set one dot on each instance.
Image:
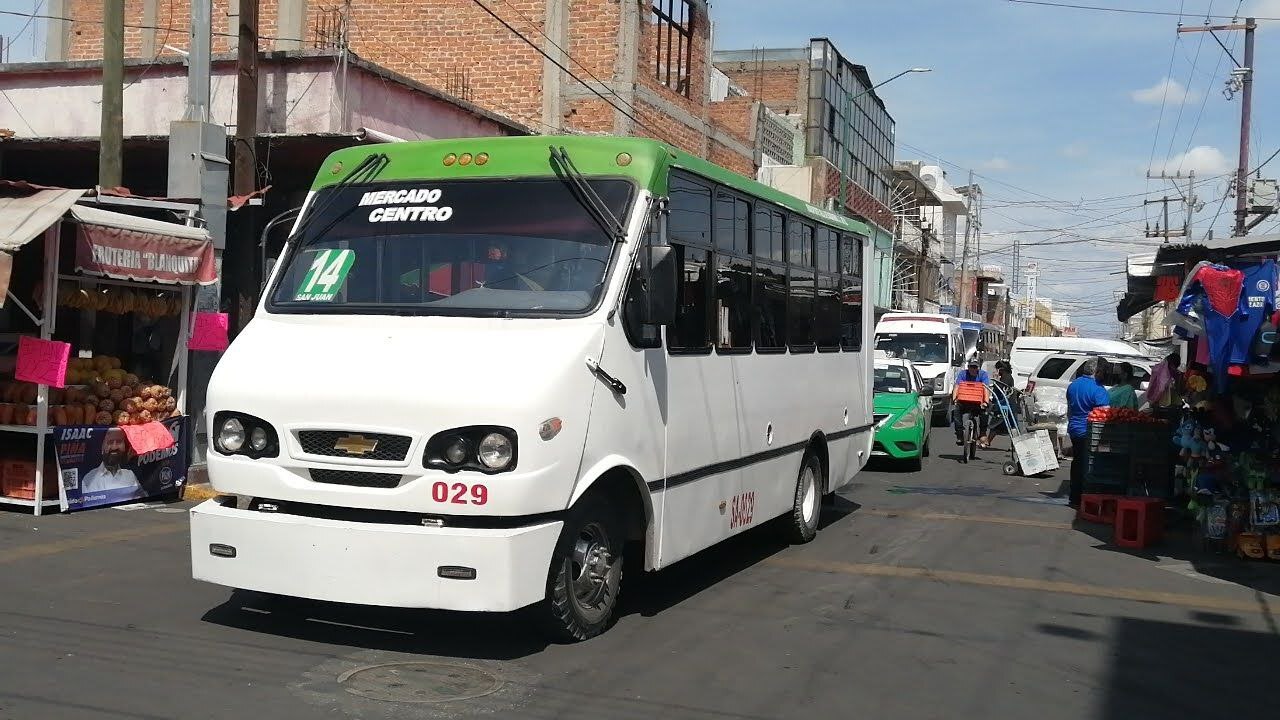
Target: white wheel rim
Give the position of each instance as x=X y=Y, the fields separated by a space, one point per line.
x=809 y=506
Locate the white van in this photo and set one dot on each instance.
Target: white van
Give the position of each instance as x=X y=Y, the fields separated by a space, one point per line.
x=933 y=343
x=1029 y=351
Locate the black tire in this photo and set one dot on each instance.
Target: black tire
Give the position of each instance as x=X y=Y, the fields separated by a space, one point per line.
x=802 y=523
x=1010 y=469
x=924 y=446
x=973 y=450
x=585 y=575
x=915 y=464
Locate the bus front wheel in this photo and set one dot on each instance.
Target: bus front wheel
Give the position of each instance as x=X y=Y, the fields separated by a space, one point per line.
x=585 y=573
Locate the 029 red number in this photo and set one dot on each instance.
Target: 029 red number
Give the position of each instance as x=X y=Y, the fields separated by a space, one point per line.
x=462 y=493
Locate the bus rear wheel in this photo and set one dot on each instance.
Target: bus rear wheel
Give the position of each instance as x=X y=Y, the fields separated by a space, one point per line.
x=585 y=573
x=802 y=524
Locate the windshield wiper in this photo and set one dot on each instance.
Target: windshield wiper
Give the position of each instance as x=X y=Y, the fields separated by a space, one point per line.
x=368 y=169
x=590 y=199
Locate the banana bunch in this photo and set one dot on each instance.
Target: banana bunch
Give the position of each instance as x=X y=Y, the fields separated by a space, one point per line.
x=119 y=301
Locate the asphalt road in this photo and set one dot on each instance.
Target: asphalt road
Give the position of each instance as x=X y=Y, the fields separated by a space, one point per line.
x=955 y=592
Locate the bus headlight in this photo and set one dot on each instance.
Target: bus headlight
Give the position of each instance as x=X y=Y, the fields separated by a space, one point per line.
x=484 y=448
x=241 y=434
x=231 y=435
x=496 y=451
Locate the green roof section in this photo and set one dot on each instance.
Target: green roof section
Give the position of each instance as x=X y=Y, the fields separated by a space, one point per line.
x=529 y=156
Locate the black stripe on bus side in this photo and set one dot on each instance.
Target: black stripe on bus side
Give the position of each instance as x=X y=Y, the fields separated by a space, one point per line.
x=725 y=466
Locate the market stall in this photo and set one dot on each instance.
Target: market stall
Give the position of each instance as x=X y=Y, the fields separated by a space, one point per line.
x=1221 y=429
x=93 y=350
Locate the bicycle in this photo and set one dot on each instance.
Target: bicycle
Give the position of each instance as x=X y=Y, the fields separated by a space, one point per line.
x=969 y=450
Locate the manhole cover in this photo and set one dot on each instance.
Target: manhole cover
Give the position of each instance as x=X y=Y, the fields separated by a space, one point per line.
x=419 y=682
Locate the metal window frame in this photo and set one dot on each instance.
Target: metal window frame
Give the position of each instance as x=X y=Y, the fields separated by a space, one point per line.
x=681 y=25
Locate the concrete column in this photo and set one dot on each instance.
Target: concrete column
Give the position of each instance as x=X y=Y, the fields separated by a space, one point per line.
x=150 y=13
x=291 y=23
x=57 y=32
x=625 y=64
x=556 y=28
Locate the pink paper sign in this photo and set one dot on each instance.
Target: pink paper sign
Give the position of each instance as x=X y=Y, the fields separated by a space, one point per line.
x=43 y=362
x=209 y=332
x=148 y=437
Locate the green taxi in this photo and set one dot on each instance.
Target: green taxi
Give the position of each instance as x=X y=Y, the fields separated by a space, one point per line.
x=902 y=409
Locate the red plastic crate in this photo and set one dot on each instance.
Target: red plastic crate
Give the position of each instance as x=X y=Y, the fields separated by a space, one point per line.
x=1098 y=507
x=1139 y=522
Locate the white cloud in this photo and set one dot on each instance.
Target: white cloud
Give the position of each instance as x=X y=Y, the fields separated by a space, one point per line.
x=1263 y=8
x=1203 y=159
x=996 y=163
x=1076 y=149
x=1167 y=91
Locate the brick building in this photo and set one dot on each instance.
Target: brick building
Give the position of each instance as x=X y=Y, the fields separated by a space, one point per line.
x=637 y=67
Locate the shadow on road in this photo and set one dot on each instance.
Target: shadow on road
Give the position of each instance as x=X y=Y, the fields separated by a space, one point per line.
x=497 y=636
x=1168 y=670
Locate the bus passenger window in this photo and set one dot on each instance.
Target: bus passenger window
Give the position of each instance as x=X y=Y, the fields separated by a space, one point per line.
x=800 y=310
x=850 y=313
x=826 y=325
x=733 y=303
x=689 y=332
x=769 y=304
x=690 y=211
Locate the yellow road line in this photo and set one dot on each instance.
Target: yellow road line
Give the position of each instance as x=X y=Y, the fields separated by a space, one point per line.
x=56 y=547
x=1264 y=604
x=993 y=519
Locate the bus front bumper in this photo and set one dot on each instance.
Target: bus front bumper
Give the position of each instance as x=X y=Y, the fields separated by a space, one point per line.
x=369 y=563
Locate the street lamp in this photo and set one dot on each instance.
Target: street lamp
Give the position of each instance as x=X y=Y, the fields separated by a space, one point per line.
x=895 y=77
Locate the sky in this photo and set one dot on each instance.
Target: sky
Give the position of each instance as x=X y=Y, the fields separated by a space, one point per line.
x=1060 y=112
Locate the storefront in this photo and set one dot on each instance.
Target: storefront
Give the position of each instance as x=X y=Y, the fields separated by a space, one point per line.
x=94 y=338
x=1213 y=443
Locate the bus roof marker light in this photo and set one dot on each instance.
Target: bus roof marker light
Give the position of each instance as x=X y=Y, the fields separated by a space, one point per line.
x=337 y=168
x=450 y=159
x=624 y=159
x=550 y=428
x=482 y=158
x=464 y=159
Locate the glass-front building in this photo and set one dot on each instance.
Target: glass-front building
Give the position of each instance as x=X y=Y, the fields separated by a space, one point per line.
x=846 y=122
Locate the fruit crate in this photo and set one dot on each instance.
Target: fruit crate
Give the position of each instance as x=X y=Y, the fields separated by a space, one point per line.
x=1111 y=438
x=1107 y=470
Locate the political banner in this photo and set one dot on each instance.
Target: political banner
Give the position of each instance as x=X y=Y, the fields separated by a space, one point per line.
x=98 y=467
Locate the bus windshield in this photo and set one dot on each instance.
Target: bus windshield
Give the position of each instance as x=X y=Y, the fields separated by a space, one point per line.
x=916 y=347
x=460 y=247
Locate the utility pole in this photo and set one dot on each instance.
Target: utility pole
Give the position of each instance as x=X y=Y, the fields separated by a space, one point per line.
x=242 y=269
x=1245 y=74
x=964 y=250
x=920 y=269
x=111 y=135
x=1188 y=202
x=1246 y=109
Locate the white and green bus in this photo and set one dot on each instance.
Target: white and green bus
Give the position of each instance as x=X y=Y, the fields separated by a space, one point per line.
x=485 y=367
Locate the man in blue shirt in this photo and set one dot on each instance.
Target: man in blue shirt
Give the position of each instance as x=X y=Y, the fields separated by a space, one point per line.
x=1083 y=395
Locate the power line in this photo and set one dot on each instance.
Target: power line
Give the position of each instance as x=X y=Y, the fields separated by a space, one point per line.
x=1164 y=98
x=1100 y=8
x=1186 y=92
x=27 y=24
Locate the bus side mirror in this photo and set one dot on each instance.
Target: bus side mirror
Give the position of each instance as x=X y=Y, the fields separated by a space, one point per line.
x=663 y=282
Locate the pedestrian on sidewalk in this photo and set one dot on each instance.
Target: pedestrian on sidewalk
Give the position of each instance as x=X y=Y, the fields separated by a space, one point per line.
x=1125 y=392
x=1083 y=395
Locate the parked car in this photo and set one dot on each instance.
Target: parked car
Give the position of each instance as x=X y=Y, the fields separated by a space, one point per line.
x=1029 y=351
x=902 y=412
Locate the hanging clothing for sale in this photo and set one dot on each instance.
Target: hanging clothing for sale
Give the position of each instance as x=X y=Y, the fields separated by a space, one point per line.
x=1236 y=302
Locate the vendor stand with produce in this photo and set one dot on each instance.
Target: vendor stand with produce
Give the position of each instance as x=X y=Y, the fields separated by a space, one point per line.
x=95 y=339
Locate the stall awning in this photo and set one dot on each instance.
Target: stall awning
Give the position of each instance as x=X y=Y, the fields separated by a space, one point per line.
x=128 y=247
x=1143 y=270
x=22 y=219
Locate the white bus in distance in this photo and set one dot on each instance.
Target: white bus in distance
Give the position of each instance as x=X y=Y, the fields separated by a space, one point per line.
x=616 y=344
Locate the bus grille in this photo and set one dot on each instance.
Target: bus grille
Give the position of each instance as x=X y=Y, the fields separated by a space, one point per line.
x=387 y=448
x=355 y=478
